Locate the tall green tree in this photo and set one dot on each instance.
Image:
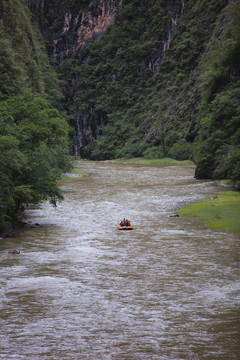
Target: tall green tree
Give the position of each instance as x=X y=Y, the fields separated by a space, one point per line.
x=34 y=153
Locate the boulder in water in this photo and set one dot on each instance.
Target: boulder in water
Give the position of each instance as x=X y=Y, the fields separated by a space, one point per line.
x=14 y=251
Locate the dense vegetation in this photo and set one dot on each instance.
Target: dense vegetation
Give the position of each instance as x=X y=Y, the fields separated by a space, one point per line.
x=113 y=75
x=33 y=133
x=139 y=101
x=219 y=110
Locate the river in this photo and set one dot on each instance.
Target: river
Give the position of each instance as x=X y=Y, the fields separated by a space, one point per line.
x=81 y=289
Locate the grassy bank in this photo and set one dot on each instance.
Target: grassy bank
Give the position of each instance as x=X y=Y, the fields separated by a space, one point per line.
x=220 y=212
x=151 y=162
x=73 y=175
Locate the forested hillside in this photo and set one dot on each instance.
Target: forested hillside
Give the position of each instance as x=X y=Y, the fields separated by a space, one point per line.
x=33 y=134
x=163 y=80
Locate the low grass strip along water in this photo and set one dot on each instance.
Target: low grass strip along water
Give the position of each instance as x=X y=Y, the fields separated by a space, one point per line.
x=152 y=162
x=220 y=212
x=74 y=175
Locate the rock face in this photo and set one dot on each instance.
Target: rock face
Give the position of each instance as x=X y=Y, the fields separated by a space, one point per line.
x=87 y=129
x=67 y=25
x=175 y=9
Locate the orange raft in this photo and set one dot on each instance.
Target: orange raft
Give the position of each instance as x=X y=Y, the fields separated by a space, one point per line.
x=125 y=227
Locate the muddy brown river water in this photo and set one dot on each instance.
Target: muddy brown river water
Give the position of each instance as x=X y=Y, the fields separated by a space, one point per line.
x=81 y=289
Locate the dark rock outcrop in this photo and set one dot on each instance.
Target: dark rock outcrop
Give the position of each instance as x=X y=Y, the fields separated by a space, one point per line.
x=14 y=251
x=66 y=26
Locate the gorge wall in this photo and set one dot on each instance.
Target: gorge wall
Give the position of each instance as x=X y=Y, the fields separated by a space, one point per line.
x=66 y=26
x=148 y=78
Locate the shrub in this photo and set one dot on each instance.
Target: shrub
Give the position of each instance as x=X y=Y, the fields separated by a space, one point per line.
x=181 y=151
x=233 y=166
x=153 y=152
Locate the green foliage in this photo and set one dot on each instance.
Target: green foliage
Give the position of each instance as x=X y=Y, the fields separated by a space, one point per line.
x=221 y=62
x=175 y=96
x=112 y=76
x=233 y=165
x=133 y=92
x=11 y=163
x=218 y=155
x=33 y=134
x=132 y=95
x=33 y=154
x=24 y=65
x=182 y=150
x=153 y=152
x=219 y=132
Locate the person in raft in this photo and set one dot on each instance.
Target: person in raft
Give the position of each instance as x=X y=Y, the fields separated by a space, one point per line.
x=125 y=222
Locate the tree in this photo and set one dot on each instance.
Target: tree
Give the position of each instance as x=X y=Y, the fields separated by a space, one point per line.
x=33 y=154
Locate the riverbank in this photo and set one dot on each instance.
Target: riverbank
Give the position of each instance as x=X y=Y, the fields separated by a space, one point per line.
x=219 y=212
x=151 y=162
x=73 y=175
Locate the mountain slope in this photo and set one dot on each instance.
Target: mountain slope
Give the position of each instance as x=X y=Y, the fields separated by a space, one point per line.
x=161 y=78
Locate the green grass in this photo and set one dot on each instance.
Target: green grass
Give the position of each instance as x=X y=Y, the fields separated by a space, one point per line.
x=150 y=162
x=220 y=212
x=77 y=171
x=66 y=178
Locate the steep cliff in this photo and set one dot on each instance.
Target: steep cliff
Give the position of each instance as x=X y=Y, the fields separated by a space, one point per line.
x=24 y=64
x=67 y=25
x=135 y=74
x=74 y=38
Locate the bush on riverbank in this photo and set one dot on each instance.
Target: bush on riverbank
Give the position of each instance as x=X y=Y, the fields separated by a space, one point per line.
x=220 y=212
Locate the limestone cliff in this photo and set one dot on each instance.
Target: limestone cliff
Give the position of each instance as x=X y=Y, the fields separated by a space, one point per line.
x=66 y=25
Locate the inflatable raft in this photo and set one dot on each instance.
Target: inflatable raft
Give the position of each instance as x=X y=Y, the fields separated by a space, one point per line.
x=125 y=227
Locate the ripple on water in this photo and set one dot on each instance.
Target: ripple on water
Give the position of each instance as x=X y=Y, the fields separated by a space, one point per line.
x=82 y=289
